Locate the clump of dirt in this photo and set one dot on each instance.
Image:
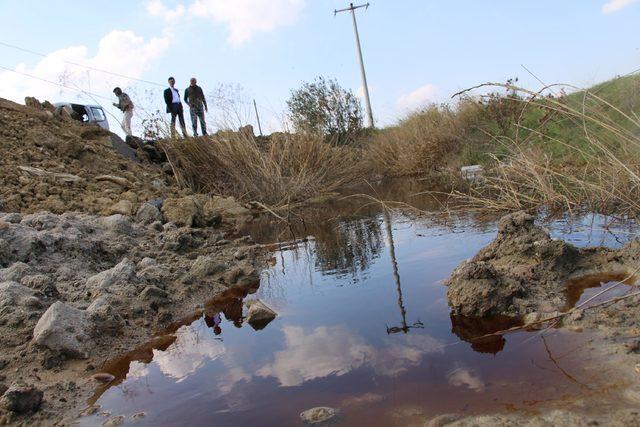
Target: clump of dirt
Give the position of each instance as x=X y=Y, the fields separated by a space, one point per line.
x=67 y=162
x=524 y=270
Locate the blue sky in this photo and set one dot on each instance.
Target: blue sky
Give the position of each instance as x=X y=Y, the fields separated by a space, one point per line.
x=416 y=51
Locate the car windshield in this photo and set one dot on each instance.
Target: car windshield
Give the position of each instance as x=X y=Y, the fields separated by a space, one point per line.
x=98 y=114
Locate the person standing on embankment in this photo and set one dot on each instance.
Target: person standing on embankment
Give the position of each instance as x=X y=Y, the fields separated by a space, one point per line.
x=126 y=106
x=174 y=106
x=194 y=97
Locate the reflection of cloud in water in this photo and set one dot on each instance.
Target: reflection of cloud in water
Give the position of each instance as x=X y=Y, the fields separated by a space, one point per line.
x=138 y=370
x=464 y=377
x=187 y=354
x=335 y=351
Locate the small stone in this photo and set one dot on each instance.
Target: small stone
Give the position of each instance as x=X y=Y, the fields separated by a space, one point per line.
x=115 y=179
x=148 y=214
x=123 y=207
x=114 y=421
x=318 y=415
x=64 y=329
x=259 y=315
x=103 y=377
x=139 y=415
x=21 y=398
x=443 y=420
x=184 y=212
x=153 y=293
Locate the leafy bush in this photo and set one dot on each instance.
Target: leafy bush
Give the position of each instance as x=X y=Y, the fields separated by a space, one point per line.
x=323 y=107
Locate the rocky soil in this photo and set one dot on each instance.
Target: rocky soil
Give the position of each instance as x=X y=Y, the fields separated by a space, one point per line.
x=524 y=273
x=97 y=252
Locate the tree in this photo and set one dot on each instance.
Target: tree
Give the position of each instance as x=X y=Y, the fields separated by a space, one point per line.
x=324 y=107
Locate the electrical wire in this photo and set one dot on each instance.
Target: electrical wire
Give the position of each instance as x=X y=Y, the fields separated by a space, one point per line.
x=100 y=70
x=54 y=83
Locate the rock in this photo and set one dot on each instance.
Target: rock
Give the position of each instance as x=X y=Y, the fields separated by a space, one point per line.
x=118 y=224
x=119 y=276
x=442 y=420
x=114 y=421
x=123 y=207
x=147 y=214
x=225 y=206
x=104 y=318
x=123 y=182
x=64 y=329
x=13 y=294
x=64 y=177
x=166 y=168
x=146 y=262
x=184 y=211
x=21 y=398
x=103 y=377
x=15 y=272
x=42 y=283
x=259 y=315
x=12 y=218
x=206 y=266
x=158 y=184
x=321 y=414
x=153 y=293
x=3 y=388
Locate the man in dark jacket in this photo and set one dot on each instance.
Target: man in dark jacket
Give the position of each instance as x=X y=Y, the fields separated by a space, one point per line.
x=194 y=97
x=174 y=106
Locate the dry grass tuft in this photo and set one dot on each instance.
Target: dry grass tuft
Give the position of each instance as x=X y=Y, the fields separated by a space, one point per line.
x=600 y=171
x=277 y=171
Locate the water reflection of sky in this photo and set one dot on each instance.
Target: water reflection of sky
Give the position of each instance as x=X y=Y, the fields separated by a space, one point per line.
x=330 y=346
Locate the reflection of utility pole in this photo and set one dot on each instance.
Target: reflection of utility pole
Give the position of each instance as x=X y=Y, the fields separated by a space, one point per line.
x=392 y=252
x=365 y=86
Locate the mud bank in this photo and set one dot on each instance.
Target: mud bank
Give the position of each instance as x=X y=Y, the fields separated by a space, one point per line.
x=525 y=271
x=525 y=274
x=77 y=289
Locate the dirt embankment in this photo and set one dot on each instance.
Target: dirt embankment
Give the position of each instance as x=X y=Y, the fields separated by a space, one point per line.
x=52 y=163
x=97 y=252
x=524 y=273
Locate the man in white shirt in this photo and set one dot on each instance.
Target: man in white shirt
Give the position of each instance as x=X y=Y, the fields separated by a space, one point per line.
x=174 y=106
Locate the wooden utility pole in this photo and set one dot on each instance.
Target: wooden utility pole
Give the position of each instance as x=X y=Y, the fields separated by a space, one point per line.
x=365 y=86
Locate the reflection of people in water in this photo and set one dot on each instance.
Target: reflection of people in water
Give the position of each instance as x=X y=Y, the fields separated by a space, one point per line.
x=233 y=312
x=214 y=322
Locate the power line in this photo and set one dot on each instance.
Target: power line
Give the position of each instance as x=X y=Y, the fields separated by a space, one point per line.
x=55 y=83
x=81 y=65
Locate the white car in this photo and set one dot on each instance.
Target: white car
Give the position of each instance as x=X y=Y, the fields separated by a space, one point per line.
x=85 y=113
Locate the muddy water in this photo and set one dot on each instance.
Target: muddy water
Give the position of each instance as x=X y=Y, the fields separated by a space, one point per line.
x=363 y=326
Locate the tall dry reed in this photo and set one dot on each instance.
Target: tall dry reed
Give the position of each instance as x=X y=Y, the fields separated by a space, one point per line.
x=599 y=170
x=276 y=171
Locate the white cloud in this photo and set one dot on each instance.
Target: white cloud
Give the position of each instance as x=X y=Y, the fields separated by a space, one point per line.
x=418 y=98
x=121 y=52
x=464 y=377
x=188 y=354
x=334 y=350
x=616 y=5
x=158 y=8
x=246 y=17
